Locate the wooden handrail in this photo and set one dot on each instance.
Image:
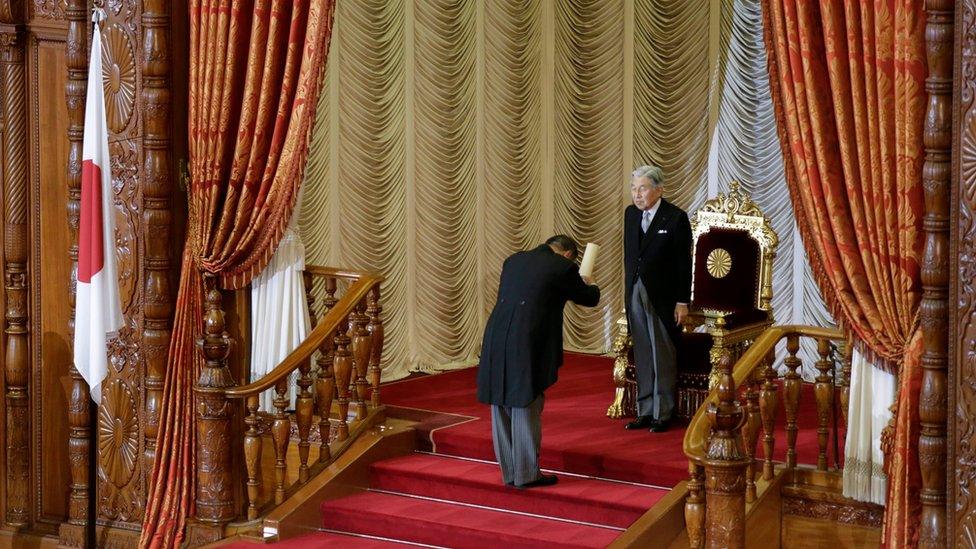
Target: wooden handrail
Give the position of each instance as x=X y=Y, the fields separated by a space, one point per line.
x=364 y=283
x=317 y=270
x=696 y=436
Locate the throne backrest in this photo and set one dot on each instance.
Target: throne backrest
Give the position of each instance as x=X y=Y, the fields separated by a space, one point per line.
x=734 y=246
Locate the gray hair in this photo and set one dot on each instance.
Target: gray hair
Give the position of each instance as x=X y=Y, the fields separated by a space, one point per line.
x=653 y=174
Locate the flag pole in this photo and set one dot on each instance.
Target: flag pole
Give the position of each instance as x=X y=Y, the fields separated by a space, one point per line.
x=91 y=529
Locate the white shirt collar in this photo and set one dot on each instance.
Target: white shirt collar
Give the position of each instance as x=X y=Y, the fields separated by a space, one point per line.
x=652 y=211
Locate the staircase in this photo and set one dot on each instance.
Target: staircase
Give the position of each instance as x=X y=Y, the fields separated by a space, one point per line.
x=434 y=500
x=456 y=502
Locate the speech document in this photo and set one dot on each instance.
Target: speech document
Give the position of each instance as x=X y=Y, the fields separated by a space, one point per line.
x=589 y=259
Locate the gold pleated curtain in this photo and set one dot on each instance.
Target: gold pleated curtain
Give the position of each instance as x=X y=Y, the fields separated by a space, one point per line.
x=451 y=134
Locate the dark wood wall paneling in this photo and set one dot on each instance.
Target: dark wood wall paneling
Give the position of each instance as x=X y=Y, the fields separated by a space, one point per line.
x=45 y=428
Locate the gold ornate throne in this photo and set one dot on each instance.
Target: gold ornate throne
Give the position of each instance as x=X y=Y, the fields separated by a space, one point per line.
x=731 y=303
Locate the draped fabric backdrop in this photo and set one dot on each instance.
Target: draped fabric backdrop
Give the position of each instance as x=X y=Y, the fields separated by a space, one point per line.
x=848 y=83
x=255 y=74
x=451 y=134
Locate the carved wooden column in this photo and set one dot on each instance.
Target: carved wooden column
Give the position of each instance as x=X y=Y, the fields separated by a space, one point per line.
x=936 y=173
x=16 y=255
x=79 y=408
x=215 y=478
x=725 y=466
x=157 y=215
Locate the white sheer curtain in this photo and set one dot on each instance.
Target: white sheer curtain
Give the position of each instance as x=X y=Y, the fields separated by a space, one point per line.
x=279 y=312
x=872 y=393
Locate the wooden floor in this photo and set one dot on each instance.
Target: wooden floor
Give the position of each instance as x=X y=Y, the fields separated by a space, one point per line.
x=802 y=533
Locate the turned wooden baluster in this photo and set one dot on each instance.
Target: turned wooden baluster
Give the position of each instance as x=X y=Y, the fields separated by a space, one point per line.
x=847 y=351
x=343 y=373
x=695 y=506
x=791 y=396
x=725 y=466
x=362 y=347
x=767 y=409
x=750 y=431
x=280 y=435
x=252 y=456
x=824 y=391
x=304 y=405
x=325 y=387
x=376 y=331
x=308 y=282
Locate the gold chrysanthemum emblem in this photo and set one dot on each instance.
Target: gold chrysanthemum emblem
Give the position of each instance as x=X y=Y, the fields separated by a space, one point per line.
x=719 y=263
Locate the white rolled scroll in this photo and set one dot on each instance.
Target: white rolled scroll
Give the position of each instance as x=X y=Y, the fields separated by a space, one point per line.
x=589 y=259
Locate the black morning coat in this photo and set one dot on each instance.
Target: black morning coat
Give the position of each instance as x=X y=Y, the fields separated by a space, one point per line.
x=523 y=342
x=661 y=258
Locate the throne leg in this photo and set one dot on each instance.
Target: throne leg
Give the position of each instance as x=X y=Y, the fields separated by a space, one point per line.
x=625 y=397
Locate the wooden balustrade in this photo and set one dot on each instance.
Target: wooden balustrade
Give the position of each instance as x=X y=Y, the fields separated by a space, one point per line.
x=348 y=340
x=722 y=440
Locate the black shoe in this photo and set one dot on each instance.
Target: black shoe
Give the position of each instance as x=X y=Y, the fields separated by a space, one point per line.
x=642 y=422
x=543 y=480
x=660 y=426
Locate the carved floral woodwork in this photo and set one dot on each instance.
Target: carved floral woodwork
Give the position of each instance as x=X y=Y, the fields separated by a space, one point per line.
x=936 y=170
x=963 y=297
x=136 y=79
x=844 y=513
x=119 y=76
x=57 y=10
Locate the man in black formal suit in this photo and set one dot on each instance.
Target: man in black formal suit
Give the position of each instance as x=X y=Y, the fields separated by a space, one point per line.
x=523 y=349
x=657 y=267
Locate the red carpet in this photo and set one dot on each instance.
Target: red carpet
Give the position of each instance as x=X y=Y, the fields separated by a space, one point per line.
x=320 y=540
x=454 y=497
x=577 y=436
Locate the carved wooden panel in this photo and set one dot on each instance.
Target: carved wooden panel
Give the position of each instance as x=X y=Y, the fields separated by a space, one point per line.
x=121 y=490
x=48 y=9
x=962 y=495
x=854 y=513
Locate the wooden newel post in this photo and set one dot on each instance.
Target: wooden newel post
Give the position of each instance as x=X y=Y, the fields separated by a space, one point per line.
x=215 y=481
x=725 y=465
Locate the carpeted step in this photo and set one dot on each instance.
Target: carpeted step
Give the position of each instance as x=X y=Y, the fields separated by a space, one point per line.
x=453 y=525
x=321 y=540
x=577 y=436
x=575 y=498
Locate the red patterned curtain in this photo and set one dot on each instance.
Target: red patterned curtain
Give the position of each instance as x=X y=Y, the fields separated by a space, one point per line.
x=255 y=74
x=848 y=86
